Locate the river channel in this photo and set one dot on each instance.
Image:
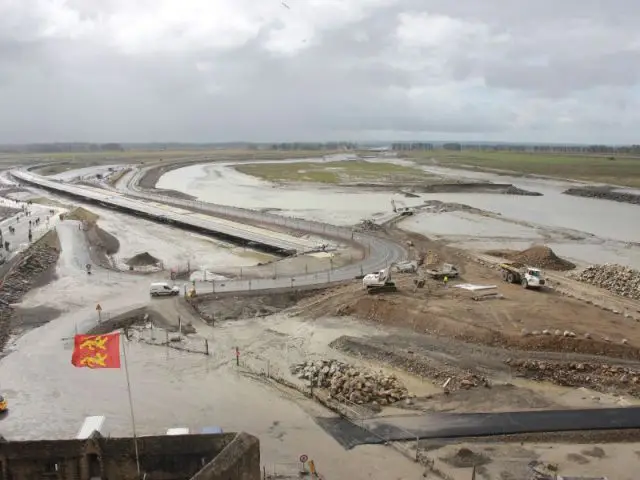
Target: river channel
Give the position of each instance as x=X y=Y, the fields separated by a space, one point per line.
x=605 y=231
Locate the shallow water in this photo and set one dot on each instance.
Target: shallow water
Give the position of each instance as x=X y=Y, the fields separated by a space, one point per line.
x=610 y=221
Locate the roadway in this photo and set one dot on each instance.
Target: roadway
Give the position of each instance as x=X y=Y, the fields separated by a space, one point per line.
x=284 y=243
x=381 y=253
x=460 y=425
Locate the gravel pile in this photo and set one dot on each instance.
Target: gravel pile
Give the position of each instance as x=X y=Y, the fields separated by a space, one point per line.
x=618 y=279
x=597 y=376
x=144 y=259
x=542 y=257
x=369 y=226
x=346 y=382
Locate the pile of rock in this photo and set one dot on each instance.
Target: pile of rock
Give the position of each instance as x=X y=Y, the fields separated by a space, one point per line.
x=597 y=376
x=368 y=226
x=348 y=383
x=618 y=279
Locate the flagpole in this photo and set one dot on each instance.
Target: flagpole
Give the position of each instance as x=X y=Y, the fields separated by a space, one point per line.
x=133 y=419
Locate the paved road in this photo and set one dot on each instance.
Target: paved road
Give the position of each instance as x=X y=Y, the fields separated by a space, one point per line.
x=458 y=425
x=380 y=252
x=149 y=206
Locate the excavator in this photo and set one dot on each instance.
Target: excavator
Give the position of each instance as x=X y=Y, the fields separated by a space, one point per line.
x=380 y=282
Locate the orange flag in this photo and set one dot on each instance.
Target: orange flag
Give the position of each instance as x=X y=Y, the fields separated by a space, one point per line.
x=97 y=351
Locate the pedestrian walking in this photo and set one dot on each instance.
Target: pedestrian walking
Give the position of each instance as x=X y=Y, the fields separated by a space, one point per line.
x=445 y=280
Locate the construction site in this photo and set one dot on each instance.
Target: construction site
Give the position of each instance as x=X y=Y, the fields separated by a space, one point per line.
x=418 y=355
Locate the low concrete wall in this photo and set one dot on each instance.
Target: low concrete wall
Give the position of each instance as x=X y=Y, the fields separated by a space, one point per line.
x=240 y=460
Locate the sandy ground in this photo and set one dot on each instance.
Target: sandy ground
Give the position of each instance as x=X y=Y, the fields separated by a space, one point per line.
x=511 y=461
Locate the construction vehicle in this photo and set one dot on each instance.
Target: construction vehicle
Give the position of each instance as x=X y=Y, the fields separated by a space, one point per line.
x=528 y=277
x=447 y=270
x=406 y=267
x=403 y=210
x=379 y=282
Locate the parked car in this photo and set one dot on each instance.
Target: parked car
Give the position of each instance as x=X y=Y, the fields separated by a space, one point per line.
x=159 y=289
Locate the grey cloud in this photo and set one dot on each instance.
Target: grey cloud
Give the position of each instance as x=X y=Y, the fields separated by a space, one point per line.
x=85 y=89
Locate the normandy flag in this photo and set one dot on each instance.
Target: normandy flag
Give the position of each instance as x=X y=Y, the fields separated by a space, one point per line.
x=96 y=351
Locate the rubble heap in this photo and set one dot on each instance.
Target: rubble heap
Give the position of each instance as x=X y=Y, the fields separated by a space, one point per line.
x=348 y=383
x=597 y=376
x=618 y=279
x=368 y=226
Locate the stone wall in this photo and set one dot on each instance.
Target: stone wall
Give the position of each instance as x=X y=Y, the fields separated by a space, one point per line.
x=174 y=457
x=240 y=460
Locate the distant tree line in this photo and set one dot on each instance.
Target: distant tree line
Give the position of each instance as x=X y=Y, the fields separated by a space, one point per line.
x=62 y=148
x=310 y=146
x=457 y=147
x=410 y=146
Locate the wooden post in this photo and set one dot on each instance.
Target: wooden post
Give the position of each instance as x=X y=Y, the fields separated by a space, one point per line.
x=206 y=346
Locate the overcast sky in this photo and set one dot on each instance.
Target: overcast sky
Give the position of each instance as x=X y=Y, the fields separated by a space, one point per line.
x=261 y=70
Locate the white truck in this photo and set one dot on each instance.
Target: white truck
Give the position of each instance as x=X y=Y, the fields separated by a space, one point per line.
x=528 y=277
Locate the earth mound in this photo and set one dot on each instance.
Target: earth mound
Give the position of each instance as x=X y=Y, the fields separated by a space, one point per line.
x=466 y=458
x=538 y=256
x=82 y=214
x=144 y=259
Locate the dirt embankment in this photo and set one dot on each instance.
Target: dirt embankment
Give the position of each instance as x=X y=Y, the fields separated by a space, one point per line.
x=605 y=193
x=218 y=307
x=102 y=243
x=152 y=175
x=454 y=187
x=538 y=256
x=33 y=266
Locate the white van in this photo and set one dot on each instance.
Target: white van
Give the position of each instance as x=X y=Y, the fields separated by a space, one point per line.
x=163 y=288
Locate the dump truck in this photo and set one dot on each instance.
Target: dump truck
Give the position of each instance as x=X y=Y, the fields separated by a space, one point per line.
x=447 y=270
x=528 y=277
x=379 y=282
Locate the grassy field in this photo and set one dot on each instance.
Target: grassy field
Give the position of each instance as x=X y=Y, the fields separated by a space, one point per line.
x=620 y=171
x=332 y=172
x=62 y=162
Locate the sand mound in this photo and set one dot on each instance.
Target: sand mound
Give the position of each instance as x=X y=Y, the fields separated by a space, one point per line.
x=82 y=214
x=144 y=259
x=541 y=257
x=466 y=458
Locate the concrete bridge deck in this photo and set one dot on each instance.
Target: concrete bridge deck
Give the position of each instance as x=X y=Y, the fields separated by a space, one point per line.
x=235 y=232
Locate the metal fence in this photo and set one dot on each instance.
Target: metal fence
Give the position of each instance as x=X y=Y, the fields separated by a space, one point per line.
x=175 y=340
